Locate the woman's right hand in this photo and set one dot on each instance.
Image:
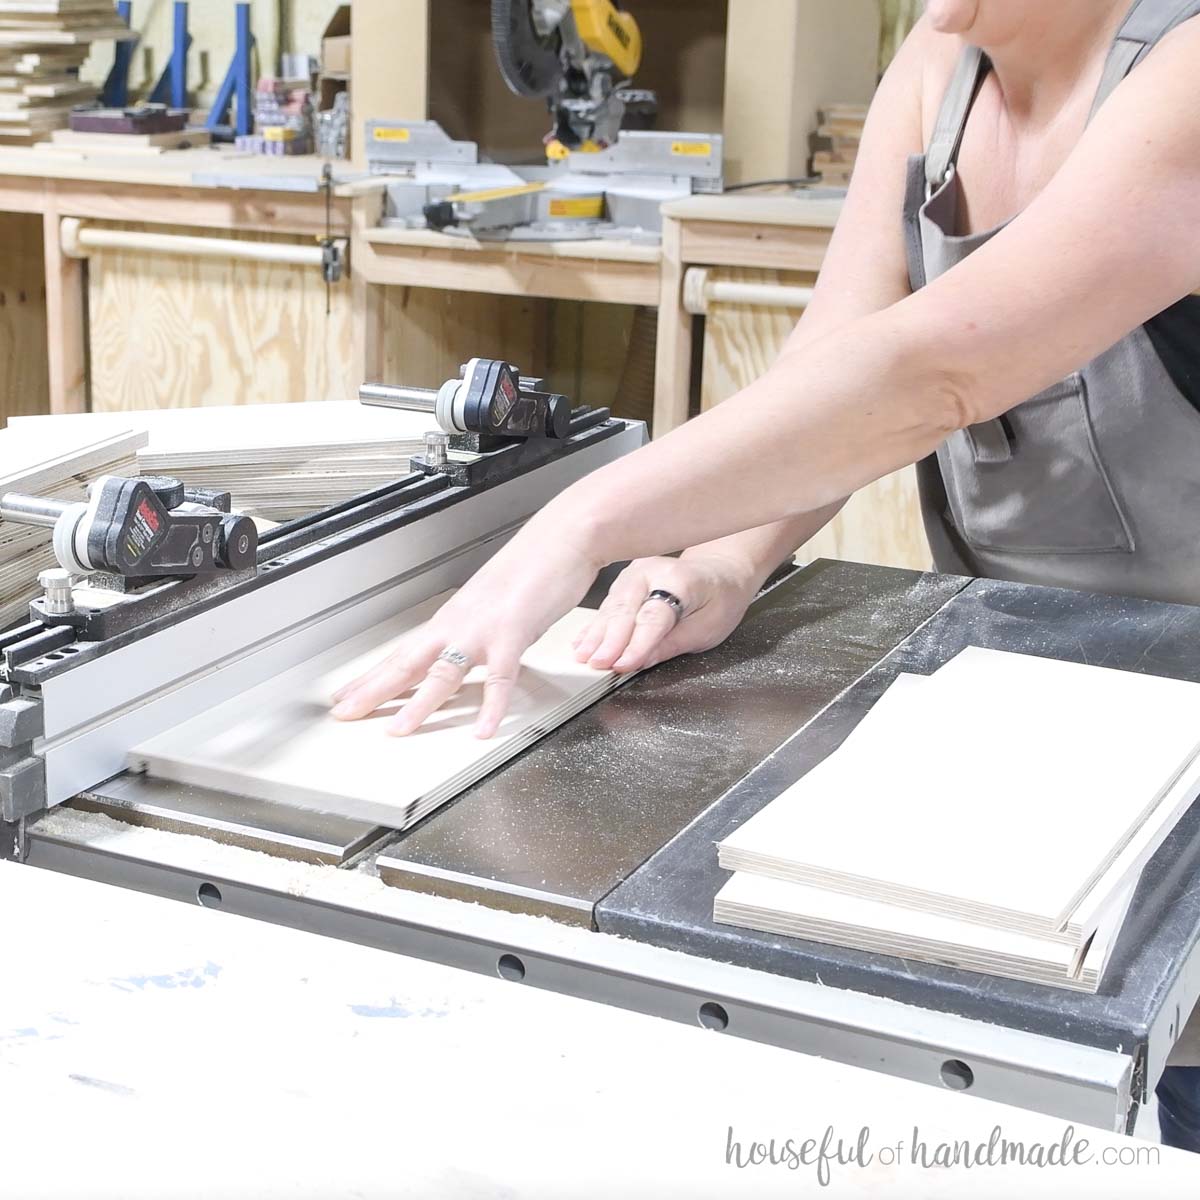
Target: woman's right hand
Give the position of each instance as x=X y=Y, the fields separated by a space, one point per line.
x=631 y=631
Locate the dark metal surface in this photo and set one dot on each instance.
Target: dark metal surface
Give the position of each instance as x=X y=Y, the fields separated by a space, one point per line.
x=669 y=900
x=559 y=827
x=242 y=821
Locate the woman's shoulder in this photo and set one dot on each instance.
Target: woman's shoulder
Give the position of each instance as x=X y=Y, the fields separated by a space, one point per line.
x=924 y=65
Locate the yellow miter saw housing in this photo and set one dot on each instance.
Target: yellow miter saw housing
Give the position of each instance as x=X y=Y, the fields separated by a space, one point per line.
x=578 y=55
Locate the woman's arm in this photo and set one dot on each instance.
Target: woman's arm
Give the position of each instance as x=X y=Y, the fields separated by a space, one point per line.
x=1109 y=243
x=865 y=269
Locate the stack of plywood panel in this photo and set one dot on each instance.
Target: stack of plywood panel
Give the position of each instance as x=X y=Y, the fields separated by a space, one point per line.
x=279 y=461
x=43 y=43
x=835 y=144
x=56 y=466
x=994 y=816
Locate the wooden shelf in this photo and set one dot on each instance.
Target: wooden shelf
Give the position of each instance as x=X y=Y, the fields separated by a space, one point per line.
x=791 y=210
x=606 y=271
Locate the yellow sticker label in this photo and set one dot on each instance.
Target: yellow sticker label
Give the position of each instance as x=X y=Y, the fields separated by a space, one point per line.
x=391 y=135
x=586 y=206
x=697 y=149
x=278 y=133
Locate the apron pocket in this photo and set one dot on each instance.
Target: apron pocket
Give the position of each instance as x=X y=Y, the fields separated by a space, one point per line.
x=1035 y=483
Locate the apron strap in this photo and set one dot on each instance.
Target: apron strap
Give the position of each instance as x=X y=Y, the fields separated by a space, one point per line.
x=1146 y=24
x=952 y=116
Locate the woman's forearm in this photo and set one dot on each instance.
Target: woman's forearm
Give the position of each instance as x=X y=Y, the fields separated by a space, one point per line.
x=755 y=553
x=827 y=419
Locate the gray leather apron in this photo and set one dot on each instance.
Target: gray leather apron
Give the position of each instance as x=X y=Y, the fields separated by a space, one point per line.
x=1094 y=483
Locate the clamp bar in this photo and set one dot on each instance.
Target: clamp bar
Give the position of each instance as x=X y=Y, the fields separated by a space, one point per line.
x=31 y=510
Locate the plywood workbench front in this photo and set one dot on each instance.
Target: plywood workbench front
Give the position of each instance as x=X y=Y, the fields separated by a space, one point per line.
x=168 y=331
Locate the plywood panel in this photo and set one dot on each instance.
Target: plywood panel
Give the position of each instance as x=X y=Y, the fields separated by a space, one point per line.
x=882 y=523
x=428 y=334
x=587 y=351
x=279 y=739
x=173 y=332
x=24 y=373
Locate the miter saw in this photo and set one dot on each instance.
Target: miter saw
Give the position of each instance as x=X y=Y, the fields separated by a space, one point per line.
x=579 y=55
x=605 y=174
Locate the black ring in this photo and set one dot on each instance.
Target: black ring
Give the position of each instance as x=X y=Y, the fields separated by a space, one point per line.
x=671 y=600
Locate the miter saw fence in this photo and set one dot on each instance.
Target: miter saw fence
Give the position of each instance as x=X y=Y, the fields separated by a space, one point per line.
x=578 y=55
x=439 y=183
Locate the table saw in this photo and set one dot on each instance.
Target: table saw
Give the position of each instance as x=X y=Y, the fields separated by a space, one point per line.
x=587 y=865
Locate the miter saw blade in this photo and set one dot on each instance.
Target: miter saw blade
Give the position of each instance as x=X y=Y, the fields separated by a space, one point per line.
x=528 y=60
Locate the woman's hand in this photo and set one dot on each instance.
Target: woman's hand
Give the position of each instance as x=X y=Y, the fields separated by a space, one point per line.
x=631 y=632
x=490 y=621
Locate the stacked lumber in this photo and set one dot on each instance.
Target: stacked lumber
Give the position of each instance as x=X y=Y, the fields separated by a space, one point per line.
x=70 y=142
x=994 y=816
x=43 y=43
x=278 y=460
x=834 y=145
x=56 y=466
x=282 y=461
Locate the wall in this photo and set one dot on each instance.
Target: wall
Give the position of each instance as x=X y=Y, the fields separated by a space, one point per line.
x=302 y=22
x=291 y=25
x=785 y=60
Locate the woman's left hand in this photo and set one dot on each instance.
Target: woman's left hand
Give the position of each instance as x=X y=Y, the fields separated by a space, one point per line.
x=633 y=629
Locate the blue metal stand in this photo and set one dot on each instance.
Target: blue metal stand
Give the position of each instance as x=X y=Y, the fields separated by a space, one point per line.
x=115 y=93
x=172 y=82
x=237 y=77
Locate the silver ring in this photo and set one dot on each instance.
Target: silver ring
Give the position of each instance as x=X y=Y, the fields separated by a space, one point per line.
x=671 y=600
x=456 y=658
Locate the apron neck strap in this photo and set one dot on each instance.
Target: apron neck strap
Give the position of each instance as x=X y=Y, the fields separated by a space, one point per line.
x=942 y=151
x=1146 y=24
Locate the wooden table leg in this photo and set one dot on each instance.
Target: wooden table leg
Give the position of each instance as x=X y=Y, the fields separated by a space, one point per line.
x=672 y=373
x=65 y=323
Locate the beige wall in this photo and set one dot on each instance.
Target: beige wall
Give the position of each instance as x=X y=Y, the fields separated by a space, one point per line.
x=303 y=22
x=294 y=26
x=785 y=59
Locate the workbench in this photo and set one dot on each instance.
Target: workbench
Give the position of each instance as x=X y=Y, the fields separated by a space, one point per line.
x=760 y=233
x=407 y=262
x=607 y=826
x=205 y=190
x=150 y=1049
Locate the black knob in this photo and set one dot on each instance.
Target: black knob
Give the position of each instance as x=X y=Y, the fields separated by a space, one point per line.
x=169 y=491
x=440 y=215
x=238 y=543
x=558 y=417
